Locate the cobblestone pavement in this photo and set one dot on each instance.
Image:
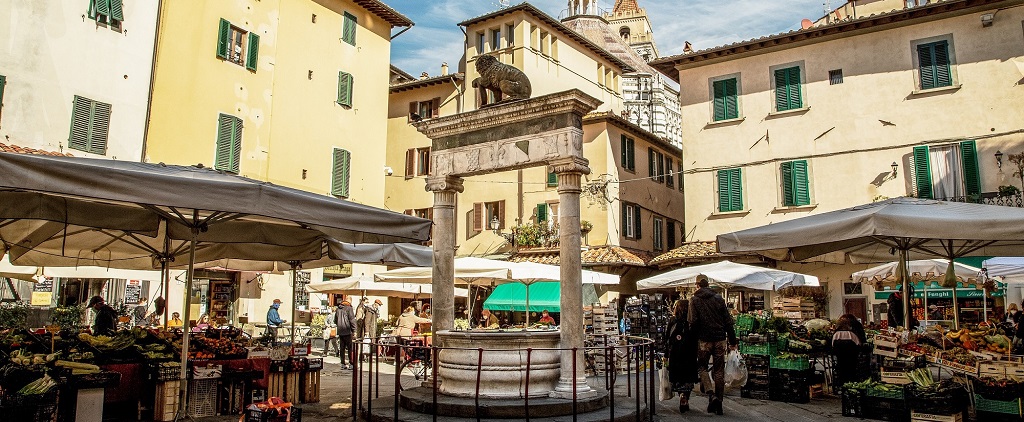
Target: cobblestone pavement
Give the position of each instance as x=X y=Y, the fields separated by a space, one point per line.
x=336 y=403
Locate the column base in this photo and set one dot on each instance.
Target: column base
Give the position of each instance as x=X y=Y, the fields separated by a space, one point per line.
x=583 y=391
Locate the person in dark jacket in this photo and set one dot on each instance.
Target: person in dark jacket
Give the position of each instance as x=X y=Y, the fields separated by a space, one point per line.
x=895 y=312
x=345 y=319
x=140 y=312
x=714 y=328
x=846 y=344
x=105 y=320
x=682 y=354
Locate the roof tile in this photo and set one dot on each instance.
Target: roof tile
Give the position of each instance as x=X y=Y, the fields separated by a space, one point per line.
x=592 y=256
x=23 y=150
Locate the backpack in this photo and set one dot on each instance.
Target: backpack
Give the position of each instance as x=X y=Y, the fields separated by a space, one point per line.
x=360 y=314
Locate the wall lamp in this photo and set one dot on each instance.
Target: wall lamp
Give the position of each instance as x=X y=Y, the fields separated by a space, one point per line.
x=495 y=225
x=986 y=19
x=999 y=159
x=894 y=168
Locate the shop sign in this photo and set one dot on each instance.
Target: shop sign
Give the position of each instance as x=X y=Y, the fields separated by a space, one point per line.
x=942 y=294
x=132 y=292
x=42 y=292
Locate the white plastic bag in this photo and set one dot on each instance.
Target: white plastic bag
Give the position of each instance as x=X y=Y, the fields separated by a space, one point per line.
x=735 y=370
x=665 y=389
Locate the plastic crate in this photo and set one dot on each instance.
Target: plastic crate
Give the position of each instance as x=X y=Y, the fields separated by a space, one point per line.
x=101 y=379
x=756 y=394
x=170 y=371
x=202 y=398
x=759 y=349
x=314 y=364
x=897 y=394
x=31 y=408
x=257 y=415
x=746 y=323
x=852 y=402
x=796 y=364
x=1011 y=407
x=893 y=410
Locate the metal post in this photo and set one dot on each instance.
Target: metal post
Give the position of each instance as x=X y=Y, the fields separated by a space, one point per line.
x=479 y=367
x=188 y=308
x=398 y=373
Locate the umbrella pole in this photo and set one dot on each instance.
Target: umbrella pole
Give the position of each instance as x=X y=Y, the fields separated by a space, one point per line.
x=905 y=279
x=527 y=305
x=188 y=313
x=295 y=287
x=165 y=272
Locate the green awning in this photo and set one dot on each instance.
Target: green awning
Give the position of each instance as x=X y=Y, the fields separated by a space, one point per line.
x=543 y=295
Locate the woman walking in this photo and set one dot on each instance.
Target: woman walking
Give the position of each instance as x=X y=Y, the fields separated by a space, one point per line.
x=682 y=355
x=846 y=344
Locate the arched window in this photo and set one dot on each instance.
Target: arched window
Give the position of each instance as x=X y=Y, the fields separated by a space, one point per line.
x=624 y=32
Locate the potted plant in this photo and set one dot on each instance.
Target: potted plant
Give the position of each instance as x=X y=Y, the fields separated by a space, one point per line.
x=1008 y=190
x=586 y=227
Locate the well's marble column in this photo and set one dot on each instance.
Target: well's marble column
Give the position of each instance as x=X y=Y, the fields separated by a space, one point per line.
x=442 y=303
x=570 y=174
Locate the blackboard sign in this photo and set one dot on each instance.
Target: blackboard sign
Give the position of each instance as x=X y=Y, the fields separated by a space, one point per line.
x=45 y=284
x=132 y=292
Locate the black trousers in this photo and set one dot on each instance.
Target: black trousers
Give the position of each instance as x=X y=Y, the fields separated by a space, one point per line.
x=846 y=353
x=345 y=349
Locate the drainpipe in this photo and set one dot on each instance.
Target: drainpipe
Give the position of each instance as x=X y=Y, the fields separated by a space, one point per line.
x=152 y=81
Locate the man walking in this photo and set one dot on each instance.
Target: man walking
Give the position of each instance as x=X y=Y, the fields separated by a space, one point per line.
x=710 y=321
x=274 y=320
x=345 y=319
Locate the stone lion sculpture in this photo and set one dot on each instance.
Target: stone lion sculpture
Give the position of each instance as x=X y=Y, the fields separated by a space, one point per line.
x=503 y=80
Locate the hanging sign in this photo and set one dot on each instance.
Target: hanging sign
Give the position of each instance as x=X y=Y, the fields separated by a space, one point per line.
x=132 y=292
x=42 y=292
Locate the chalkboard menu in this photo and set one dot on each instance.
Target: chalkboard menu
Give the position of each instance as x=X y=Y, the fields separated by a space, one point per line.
x=132 y=292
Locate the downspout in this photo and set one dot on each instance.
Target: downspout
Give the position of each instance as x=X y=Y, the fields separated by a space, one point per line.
x=401 y=32
x=152 y=82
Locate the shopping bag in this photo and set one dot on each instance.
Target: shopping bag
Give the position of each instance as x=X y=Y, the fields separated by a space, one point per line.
x=665 y=389
x=735 y=370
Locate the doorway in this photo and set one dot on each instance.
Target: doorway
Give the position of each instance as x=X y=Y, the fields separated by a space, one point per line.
x=858 y=307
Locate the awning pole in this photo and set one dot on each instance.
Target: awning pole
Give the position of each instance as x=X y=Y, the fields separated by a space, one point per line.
x=527 y=304
x=189 y=279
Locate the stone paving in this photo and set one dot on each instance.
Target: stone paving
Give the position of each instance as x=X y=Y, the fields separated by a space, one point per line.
x=336 y=399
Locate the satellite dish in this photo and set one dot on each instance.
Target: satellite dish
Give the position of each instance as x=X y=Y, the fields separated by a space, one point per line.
x=806 y=23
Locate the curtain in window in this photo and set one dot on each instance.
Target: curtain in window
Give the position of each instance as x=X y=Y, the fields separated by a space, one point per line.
x=947 y=175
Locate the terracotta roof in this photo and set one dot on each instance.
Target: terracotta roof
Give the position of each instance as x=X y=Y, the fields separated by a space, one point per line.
x=529 y=8
x=592 y=256
x=700 y=250
x=401 y=73
x=385 y=12
x=22 y=150
x=420 y=83
x=633 y=127
x=896 y=18
x=622 y=6
x=597 y=30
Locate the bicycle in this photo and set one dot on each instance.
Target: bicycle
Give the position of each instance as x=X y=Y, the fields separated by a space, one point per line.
x=416 y=358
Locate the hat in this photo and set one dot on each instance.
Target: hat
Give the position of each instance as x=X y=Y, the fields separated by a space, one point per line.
x=377 y=301
x=94 y=301
x=277 y=300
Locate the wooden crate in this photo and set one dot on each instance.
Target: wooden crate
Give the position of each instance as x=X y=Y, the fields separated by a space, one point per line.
x=311 y=387
x=165 y=402
x=895 y=377
x=817 y=390
x=276 y=386
x=925 y=417
x=292 y=386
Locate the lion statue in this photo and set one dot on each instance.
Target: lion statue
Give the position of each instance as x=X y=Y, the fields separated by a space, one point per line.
x=503 y=80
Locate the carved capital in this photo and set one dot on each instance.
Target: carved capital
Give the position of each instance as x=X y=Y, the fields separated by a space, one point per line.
x=574 y=165
x=445 y=184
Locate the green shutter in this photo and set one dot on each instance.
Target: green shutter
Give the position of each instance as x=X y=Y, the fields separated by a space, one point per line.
x=101 y=7
x=787 y=89
x=236 y=144
x=552 y=179
x=725 y=102
x=786 y=172
x=625 y=221
x=670 y=235
x=3 y=84
x=116 y=10
x=253 y=53
x=81 y=112
x=652 y=169
x=801 y=192
x=622 y=151
x=933 y=59
x=542 y=212
x=345 y=89
x=730 y=190
x=969 y=160
x=631 y=157
x=637 y=222
x=229 y=144
x=348 y=32
x=99 y=128
x=922 y=172
x=223 y=39
x=340 y=174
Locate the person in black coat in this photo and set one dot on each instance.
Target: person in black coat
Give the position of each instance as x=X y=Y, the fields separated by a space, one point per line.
x=846 y=344
x=682 y=354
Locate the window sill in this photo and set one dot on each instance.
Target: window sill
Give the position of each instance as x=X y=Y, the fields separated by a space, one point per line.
x=728 y=122
x=921 y=92
x=794 y=208
x=741 y=213
x=784 y=113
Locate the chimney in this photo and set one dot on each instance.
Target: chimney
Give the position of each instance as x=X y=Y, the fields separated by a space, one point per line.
x=424 y=75
x=687 y=47
x=444 y=68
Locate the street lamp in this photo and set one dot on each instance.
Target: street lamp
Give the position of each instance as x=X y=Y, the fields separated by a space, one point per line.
x=495 y=225
x=894 y=168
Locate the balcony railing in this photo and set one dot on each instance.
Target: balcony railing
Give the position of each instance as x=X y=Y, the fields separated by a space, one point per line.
x=990 y=198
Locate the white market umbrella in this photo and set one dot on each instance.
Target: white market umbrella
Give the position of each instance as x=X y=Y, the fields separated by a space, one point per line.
x=919 y=269
x=20 y=272
x=1010 y=268
x=728 y=275
x=366 y=286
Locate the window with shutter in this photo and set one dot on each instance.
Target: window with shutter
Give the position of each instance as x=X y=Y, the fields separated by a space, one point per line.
x=652 y=168
x=725 y=102
x=552 y=179
x=116 y=10
x=478 y=216
x=422 y=161
x=341 y=173
x=253 y=55
x=223 y=39
x=348 y=30
x=922 y=172
x=656 y=234
x=229 y=144
x=934 y=64
x=90 y=126
x=638 y=222
x=730 y=190
x=670 y=235
x=659 y=160
x=410 y=163
x=3 y=86
x=795 y=191
x=626 y=153
x=669 y=173
x=542 y=212
x=969 y=162
x=680 y=175
x=631 y=221
x=345 y=89
x=787 y=89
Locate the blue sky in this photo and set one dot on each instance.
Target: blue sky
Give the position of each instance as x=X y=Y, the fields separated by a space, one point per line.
x=705 y=23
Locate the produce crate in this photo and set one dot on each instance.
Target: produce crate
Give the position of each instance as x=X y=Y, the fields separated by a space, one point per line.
x=202 y=398
x=894 y=377
x=903 y=363
x=757 y=361
x=310 y=390
x=797 y=363
x=876 y=392
x=276 y=384
x=165 y=401
x=1008 y=391
x=746 y=323
x=314 y=364
x=292 y=386
x=1011 y=407
x=30 y=408
x=759 y=349
x=166 y=371
x=756 y=394
x=852 y=402
x=279 y=366
x=790 y=394
x=101 y=379
x=927 y=417
x=257 y=415
x=207 y=372
x=893 y=410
